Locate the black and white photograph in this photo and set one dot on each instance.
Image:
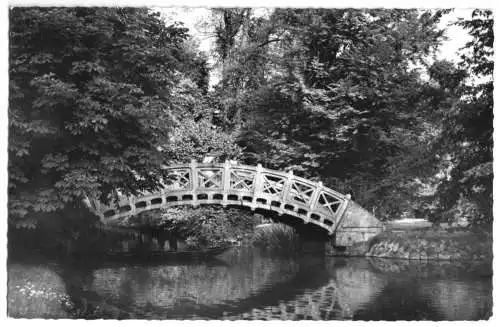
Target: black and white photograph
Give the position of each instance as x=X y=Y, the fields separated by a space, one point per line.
x=248 y=162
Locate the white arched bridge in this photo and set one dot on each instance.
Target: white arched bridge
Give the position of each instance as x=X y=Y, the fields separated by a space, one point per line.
x=254 y=187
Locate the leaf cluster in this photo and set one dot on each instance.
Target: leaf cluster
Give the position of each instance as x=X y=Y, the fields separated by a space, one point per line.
x=90 y=101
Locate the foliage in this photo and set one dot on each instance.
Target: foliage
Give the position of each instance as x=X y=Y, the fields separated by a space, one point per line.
x=228 y=26
x=331 y=93
x=278 y=238
x=60 y=232
x=101 y=97
x=207 y=226
x=36 y=292
x=194 y=64
x=467 y=136
x=90 y=101
x=193 y=140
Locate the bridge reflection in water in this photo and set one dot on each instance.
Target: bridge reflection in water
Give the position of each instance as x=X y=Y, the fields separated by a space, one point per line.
x=244 y=284
x=249 y=286
x=248 y=282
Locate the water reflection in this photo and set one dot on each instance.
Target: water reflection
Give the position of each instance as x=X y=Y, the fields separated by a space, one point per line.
x=427 y=291
x=168 y=285
x=246 y=284
x=356 y=280
x=458 y=300
x=134 y=240
x=253 y=286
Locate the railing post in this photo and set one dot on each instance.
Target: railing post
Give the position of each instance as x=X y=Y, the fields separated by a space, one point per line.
x=131 y=203
x=226 y=182
x=286 y=190
x=257 y=185
x=340 y=212
x=194 y=175
x=194 y=180
x=314 y=200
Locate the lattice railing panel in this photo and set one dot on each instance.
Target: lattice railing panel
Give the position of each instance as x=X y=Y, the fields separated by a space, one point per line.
x=329 y=202
x=272 y=185
x=178 y=179
x=242 y=180
x=210 y=178
x=301 y=192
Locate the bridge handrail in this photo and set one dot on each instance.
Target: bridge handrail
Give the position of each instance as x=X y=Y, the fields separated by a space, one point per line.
x=254 y=168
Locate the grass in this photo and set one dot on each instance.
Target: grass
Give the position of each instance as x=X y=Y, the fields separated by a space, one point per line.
x=36 y=292
x=277 y=238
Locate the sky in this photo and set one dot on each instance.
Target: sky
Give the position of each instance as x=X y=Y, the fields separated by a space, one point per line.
x=457 y=35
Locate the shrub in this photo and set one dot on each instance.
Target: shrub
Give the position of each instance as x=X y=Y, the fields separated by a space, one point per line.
x=207 y=226
x=36 y=292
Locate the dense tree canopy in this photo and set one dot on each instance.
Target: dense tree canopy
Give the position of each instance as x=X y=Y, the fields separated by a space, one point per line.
x=101 y=97
x=468 y=129
x=331 y=94
x=90 y=101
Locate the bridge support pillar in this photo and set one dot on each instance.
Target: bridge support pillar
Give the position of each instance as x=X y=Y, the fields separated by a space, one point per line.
x=357 y=226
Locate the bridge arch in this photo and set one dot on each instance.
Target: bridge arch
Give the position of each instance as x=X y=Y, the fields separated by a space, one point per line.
x=236 y=185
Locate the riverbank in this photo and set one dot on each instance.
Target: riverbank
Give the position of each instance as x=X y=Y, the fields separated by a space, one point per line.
x=453 y=244
x=36 y=292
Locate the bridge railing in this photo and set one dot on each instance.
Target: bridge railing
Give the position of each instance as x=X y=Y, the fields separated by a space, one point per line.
x=230 y=184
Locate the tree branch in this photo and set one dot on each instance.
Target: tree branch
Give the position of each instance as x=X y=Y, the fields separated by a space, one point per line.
x=267 y=42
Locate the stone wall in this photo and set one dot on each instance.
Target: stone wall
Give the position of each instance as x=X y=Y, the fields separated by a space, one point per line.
x=357 y=225
x=405 y=245
x=445 y=249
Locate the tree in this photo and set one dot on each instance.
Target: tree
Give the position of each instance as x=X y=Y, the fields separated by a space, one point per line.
x=467 y=136
x=423 y=166
x=90 y=101
x=192 y=140
x=240 y=39
x=341 y=101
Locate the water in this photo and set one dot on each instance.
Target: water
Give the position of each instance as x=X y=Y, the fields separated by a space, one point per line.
x=245 y=283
